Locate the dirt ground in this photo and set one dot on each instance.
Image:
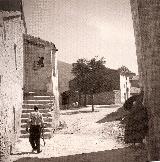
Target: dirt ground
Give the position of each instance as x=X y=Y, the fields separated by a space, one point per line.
x=86 y=137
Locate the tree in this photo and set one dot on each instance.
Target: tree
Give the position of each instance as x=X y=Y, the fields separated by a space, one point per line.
x=90 y=77
x=123 y=69
x=80 y=69
x=95 y=78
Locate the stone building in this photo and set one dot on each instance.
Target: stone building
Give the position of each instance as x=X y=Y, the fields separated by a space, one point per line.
x=146 y=23
x=11 y=78
x=125 y=86
x=28 y=77
x=39 y=65
x=40 y=83
x=135 y=85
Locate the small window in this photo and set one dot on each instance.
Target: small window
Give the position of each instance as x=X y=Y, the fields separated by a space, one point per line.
x=0 y=79
x=15 y=53
x=40 y=62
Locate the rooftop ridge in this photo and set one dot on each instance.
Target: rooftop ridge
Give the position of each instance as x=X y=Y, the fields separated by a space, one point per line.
x=38 y=41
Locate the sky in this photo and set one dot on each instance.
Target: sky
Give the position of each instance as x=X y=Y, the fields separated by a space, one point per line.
x=85 y=28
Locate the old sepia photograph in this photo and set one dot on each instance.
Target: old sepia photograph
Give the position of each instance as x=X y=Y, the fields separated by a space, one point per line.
x=79 y=80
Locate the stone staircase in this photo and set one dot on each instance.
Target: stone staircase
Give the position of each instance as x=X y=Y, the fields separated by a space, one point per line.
x=42 y=101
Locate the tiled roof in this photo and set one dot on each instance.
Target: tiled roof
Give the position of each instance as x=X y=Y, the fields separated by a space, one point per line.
x=9 y=13
x=38 y=41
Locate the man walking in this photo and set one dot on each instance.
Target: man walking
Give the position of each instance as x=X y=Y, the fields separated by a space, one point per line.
x=35 y=123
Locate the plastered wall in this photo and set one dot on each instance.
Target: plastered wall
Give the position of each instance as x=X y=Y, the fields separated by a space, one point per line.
x=11 y=77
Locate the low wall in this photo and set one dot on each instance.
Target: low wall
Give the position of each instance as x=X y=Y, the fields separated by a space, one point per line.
x=105 y=98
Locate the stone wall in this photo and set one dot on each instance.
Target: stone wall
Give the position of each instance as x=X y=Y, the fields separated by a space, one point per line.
x=146 y=22
x=11 y=77
x=56 y=113
x=105 y=98
x=39 y=64
x=117 y=94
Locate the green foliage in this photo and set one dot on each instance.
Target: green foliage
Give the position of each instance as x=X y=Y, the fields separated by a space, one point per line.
x=123 y=70
x=80 y=69
x=90 y=76
x=95 y=77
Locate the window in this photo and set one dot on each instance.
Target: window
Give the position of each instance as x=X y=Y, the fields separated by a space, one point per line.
x=38 y=64
x=0 y=79
x=125 y=96
x=15 y=53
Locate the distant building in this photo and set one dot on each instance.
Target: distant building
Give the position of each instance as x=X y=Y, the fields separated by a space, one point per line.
x=125 y=86
x=135 y=81
x=135 y=85
x=120 y=92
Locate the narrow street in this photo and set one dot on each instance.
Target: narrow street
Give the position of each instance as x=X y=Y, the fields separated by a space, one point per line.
x=86 y=137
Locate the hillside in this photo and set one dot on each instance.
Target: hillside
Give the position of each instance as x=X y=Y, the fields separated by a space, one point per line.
x=64 y=75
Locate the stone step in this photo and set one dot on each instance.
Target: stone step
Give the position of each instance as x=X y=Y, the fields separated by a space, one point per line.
x=46 y=125
x=46 y=119
x=43 y=102
x=23 y=131
x=26 y=115
x=46 y=135
x=46 y=115
x=38 y=93
x=31 y=110
x=39 y=98
x=40 y=106
x=37 y=101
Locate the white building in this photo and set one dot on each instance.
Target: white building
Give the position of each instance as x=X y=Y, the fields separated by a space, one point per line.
x=125 y=87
